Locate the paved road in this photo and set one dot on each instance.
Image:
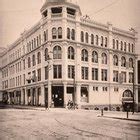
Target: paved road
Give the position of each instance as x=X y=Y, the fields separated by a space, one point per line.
x=62 y=124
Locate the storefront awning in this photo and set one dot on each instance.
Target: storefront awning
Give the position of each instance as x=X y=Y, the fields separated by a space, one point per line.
x=127 y=99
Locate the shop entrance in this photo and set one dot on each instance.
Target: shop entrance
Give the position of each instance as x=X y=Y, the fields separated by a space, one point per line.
x=58 y=96
x=127 y=101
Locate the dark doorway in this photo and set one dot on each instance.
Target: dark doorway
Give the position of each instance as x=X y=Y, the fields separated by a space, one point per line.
x=58 y=96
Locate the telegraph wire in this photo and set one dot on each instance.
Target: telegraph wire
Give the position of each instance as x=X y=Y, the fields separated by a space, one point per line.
x=107 y=6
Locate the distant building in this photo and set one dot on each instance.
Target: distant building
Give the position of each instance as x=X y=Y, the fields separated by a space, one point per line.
x=67 y=56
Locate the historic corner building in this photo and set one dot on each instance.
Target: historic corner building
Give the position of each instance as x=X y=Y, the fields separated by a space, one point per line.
x=67 y=56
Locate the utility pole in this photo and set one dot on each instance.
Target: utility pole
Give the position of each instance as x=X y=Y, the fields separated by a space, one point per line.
x=74 y=89
x=133 y=88
x=48 y=70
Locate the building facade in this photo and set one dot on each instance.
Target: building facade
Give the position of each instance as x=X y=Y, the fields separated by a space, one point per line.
x=67 y=56
x=138 y=86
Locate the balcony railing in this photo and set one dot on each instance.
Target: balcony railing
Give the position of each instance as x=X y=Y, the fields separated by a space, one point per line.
x=56 y=15
x=71 y=16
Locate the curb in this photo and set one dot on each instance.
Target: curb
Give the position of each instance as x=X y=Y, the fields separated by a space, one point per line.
x=121 y=118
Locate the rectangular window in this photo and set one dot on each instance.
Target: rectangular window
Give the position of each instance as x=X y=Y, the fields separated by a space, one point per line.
x=46 y=72
x=84 y=71
x=123 y=74
x=116 y=89
x=130 y=77
x=94 y=74
x=39 y=74
x=104 y=75
x=113 y=43
x=34 y=76
x=105 y=41
x=71 y=71
x=29 y=77
x=57 y=71
x=24 y=79
x=115 y=76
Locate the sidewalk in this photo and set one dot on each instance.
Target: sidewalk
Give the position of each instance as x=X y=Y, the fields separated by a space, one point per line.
x=121 y=115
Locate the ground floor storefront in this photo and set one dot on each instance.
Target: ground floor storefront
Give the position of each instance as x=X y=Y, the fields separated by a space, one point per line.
x=58 y=95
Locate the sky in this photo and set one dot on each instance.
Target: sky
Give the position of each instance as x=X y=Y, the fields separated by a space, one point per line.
x=19 y=15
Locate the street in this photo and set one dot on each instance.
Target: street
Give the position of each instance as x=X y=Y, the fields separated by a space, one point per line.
x=63 y=124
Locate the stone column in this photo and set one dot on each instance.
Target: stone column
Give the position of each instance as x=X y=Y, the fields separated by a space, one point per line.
x=42 y=97
x=65 y=63
x=78 y=63
x=65 y=95
x=31 y=90
x=9 y=101
x=22 y=97
x=49 y=94
x=26 y=96
x=37 y=97
x=15 y=100
x=90 y=91
x=78 y=93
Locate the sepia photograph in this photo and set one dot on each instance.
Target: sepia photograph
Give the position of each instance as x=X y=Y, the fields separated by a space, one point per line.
x=69 y=69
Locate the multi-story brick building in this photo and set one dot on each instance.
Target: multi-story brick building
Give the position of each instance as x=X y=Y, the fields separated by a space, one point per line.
x=67 y=56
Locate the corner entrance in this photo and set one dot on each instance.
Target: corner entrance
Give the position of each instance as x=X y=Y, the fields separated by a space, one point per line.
x=58 y=96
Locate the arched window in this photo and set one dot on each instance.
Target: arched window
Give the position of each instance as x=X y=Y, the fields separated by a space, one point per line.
x=57 y=53
x=46 y=54
x=123 y=61
x=68 y=33
x=82 y=36
x=33 y=60
x=94 y=57
x=117 y=44
x=104 y=58
x=102 y=41
x=97 y=40
x=59 y=32
x=71 y=53
x=121 y=46
x=92 y=39
x=29 y=62
x=84 y=56
x=54 y=33
x=73 y=34
x=115 y=60
x=38 y=58
x=113 y=43
x=127 y=93
x=130 y=63
x=86 y=37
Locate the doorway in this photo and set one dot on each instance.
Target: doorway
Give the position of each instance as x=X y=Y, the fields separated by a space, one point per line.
x=58 y=96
